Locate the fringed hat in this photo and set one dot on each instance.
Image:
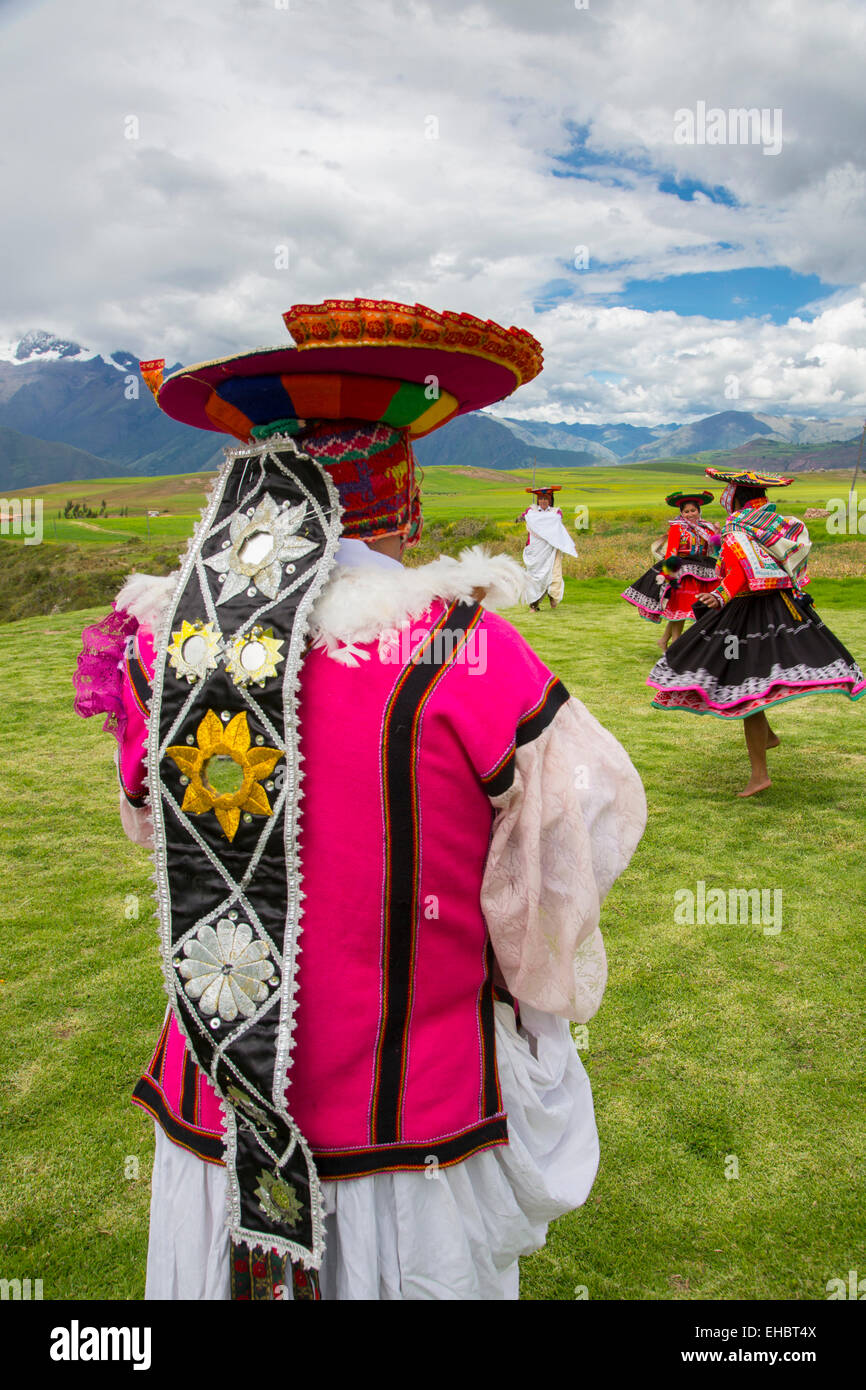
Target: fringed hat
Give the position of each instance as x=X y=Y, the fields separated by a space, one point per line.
x=545 y=491
x=679 y=499
x=744 y=477
x=399 y=365
x=363 y=379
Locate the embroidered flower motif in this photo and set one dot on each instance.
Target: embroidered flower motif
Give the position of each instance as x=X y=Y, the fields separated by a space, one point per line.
x=225 y=970
x=260 y=544
x=278 y=1200
x=253 y=765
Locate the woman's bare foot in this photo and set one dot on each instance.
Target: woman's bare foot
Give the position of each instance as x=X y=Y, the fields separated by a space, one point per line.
x=757 y=732
x=754 y=785
x=662 y=644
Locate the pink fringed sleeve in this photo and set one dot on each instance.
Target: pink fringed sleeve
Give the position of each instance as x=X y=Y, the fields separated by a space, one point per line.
x=98 y=676
x=103 y=686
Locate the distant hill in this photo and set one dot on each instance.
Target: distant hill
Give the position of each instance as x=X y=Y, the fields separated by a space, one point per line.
x=796 y=458
x=726 y=430
x=480 y=441
x=776 y=457
x=609 y=443
x=25 y=460
x=731 y=429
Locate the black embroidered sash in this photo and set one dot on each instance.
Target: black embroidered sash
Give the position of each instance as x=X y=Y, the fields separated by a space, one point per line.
x=224 y=775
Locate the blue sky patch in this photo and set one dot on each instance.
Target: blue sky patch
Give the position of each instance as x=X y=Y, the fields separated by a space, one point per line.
x=685 y=189
x=752 y=292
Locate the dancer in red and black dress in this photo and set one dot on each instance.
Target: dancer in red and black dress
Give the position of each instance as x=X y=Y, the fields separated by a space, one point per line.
x=760 y=642
x=687 y=569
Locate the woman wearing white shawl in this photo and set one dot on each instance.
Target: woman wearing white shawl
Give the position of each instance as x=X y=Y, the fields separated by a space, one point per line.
x=546 y=542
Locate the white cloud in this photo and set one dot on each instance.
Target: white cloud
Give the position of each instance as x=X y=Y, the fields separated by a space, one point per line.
x=675 y=368
x=261 y=127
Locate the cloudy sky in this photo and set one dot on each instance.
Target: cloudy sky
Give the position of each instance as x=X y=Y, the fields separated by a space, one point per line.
x=176 y=173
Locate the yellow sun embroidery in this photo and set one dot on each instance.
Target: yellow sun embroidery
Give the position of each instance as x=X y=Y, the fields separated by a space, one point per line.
x=229 y=742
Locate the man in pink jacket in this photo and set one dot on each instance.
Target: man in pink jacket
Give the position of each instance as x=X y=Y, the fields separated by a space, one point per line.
x=382 y=834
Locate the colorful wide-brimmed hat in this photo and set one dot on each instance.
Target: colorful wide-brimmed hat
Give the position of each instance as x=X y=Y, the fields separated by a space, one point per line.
x=364 y=378
x=401 y=365
x=543 y=491
x=679 y=499
x=746 y=478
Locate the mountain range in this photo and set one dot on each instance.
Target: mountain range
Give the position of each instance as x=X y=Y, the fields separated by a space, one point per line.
x=67 y=413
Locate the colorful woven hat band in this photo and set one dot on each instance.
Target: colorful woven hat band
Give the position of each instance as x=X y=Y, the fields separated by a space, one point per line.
x=373 y=468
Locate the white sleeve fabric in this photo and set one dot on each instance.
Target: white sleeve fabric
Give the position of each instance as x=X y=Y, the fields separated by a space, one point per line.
x=563 y=833
x=136 y=820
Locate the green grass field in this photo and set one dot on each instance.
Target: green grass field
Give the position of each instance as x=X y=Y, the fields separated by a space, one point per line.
x=713 y=1042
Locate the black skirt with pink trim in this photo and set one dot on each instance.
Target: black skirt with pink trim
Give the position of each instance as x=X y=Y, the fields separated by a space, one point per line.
x=754 y=652
x=655 y=600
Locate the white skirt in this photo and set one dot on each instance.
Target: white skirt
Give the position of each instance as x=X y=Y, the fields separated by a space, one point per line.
x=453 y=1234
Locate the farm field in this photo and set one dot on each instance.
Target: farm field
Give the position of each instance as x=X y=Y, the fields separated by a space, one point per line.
x=448 y=494
x=84 y=561
x=726 y=1061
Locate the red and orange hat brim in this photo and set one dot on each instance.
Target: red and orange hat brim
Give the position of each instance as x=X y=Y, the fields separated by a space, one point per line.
x=554 y=487
x=405 y=366
x=746 y=478
x=679 y=499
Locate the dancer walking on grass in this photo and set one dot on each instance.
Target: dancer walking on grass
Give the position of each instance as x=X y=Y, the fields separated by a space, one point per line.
x=546 y=542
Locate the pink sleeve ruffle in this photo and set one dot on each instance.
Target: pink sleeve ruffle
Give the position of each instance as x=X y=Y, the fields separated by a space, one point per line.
x=98 y=677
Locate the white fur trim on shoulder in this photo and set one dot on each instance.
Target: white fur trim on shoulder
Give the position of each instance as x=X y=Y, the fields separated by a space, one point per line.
x=358 y=604
x=146 y=597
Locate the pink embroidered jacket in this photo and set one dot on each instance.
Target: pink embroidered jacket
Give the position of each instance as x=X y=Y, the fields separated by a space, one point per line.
x=463 y=819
